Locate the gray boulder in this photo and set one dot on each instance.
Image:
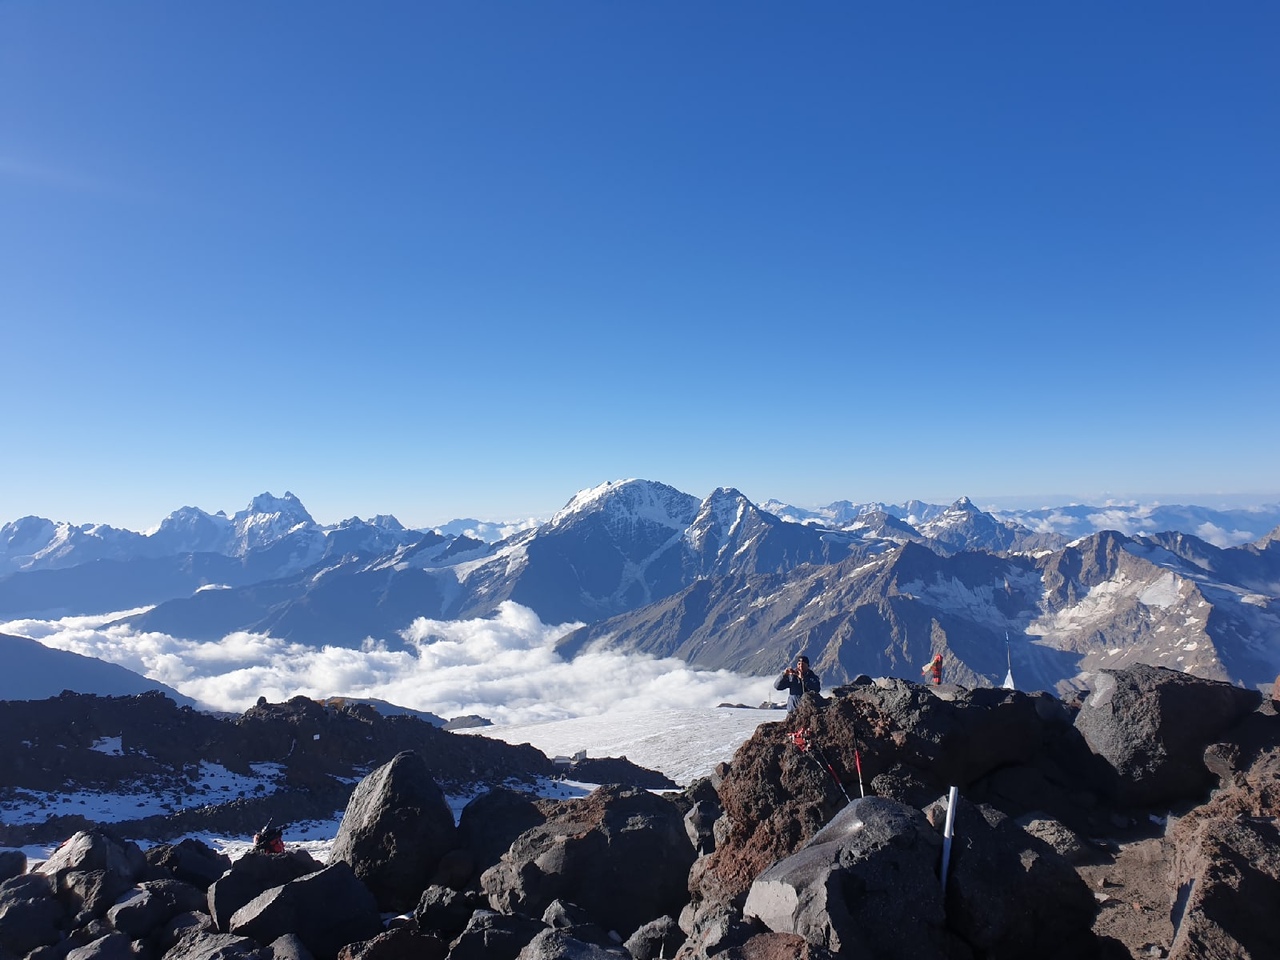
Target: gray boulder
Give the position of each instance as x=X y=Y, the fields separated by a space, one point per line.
x=1150 y=727
x=30 y=915
x=190 y=860
x=657 y=938
x=863 y=885
x=97 y=849
x=327 y=910
x=395 y=831
x=1050 y=915
x=494 y=936
x=287 y=947
x=152 y=904
x=400 y=943
x=620 y=853
x=444 y=911
x=251 y=875
x=112 y=946
x=196 y=944
x=490 y=823
x=562 y=945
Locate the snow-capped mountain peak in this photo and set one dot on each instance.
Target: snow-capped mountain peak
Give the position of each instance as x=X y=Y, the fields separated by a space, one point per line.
x=645 y=500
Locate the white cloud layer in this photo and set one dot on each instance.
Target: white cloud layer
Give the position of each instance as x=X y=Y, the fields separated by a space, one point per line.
x=504 y=668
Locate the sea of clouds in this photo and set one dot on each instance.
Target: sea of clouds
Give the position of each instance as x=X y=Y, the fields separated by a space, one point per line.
x=504 y=668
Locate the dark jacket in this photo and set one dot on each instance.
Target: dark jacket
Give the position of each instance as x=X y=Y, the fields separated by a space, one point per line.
x=796 y=687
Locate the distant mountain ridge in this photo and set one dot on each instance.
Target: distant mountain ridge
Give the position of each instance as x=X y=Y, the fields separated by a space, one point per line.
x=720 y=582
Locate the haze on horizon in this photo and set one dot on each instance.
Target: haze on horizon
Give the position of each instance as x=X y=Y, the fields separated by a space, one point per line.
x=463 y=260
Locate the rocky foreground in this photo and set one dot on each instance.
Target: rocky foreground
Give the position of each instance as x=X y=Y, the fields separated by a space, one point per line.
x=1140 y=822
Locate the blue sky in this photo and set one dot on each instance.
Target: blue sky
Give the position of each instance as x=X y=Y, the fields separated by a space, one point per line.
x=444 y=259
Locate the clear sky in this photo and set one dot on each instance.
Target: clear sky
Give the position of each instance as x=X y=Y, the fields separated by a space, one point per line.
x=448 y=259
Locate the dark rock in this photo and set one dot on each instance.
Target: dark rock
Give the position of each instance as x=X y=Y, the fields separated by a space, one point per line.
x=327 y=910
x=620 y=853
x=444 y=911
x=572 y=920
x=561 y=945
x=153 y=904
x=114 y=946
x=13 y=863
x=1053 y=912
x=657 y=938
x=490 y=823
x=195 y=944
x=402 y=943
x=863 y=885
x=1227 y=876
x=97 y=849
x=190 y=860
x=396 y=828
x=89 y=894
x=1150 y=727
x=287 y=947
x=494 y=936
x=251 y=875
x=192 y=921
x=30 y=916
x=776 y=946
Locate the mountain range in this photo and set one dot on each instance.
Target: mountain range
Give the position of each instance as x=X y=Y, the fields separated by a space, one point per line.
x=635 y=565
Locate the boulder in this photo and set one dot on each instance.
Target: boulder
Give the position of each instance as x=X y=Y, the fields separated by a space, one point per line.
x=287 y=947
x=490 y=823
x=494 y=936
x=89 y=894
x=657 y=938
x=197 y=944
x=251 y=875
x=152 y=904
x=573 y=921
x=863 y=885
x=30 y=915
x=444 y=911
x=396 y=828
x=1227 y=876
x=190 y=860
x=112 y=946
x=97 y=849
x=13 y=863
x=1053 y=912
x=620 y=853
x=401 y=943
x=561 y=945
x=1149 y=726
x=327 y=910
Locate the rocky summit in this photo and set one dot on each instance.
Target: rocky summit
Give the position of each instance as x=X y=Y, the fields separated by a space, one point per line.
x=887 y=820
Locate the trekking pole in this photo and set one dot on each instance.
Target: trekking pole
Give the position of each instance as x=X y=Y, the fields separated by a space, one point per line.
x=798 y=739
x=857 y=759
x=832 y=770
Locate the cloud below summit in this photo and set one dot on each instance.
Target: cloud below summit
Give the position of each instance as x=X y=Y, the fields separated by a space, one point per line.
x=504 y=668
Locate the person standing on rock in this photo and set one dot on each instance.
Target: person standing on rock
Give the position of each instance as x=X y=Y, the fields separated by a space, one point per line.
x=797 y=682
x=934 y=667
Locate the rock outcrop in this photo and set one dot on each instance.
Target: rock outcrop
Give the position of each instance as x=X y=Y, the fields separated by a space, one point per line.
x=1143 y=821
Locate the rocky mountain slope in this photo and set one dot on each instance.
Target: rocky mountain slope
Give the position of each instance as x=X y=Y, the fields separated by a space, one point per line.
x=888 y=820
x=719 y=582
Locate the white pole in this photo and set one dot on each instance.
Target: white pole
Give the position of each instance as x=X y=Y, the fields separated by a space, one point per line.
x=946 y=835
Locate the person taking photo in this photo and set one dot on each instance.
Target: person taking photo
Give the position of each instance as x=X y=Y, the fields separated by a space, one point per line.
x=798 y=681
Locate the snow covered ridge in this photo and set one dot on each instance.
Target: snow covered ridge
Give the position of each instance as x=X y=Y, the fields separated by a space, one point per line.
x=159 y=770
x=35 y=543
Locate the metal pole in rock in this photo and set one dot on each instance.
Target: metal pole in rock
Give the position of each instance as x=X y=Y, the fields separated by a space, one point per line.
x=946 y=835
